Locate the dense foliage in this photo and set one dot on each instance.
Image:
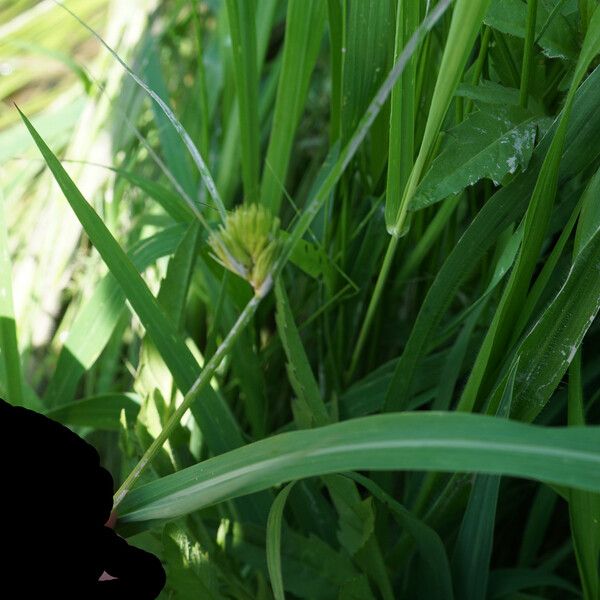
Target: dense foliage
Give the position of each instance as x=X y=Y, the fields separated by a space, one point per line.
x=319 y=279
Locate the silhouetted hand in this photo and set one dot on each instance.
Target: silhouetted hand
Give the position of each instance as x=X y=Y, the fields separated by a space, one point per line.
x=55 y=500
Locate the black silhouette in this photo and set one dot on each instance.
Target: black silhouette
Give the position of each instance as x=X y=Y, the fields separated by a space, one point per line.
x=55 y=500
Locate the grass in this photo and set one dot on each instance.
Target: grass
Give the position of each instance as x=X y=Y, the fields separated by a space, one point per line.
x=320 y=282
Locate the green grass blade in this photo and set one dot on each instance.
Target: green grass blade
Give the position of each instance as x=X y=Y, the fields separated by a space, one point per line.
x=217 y=422
x=100 y=412
x=185 y=136
x=528 y=54
x=299 y=370
x=584 y=507
x=550 y=346
x=274 y=525
x=335 y=22
x=97 y=319
x=201 y=76
x=464 y=28
x=9 y=347
x=172 y=150
x=546 y=273
x=413 y=441
x=174 y=289
x=589 y=219
x=303 y=36
x=367 y=29
x=402 y=114
x=473 y=549
x=242 y=26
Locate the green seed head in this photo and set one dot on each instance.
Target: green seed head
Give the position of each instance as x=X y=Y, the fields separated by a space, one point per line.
x=248 y=243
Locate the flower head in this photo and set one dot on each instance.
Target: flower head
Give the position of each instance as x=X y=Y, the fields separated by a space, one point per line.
x=248 y=243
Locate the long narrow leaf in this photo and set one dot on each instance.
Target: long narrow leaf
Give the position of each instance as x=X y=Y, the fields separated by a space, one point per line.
x=414 y=441
x=217 y=422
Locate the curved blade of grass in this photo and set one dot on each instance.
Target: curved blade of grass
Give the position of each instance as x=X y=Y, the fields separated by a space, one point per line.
x=274 y=525
x=100 y=412
x=414 y=441
x=217 y=422
x=589 y=218
x=546 y=273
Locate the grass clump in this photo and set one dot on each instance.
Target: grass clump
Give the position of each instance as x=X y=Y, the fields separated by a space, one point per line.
x=412 y=413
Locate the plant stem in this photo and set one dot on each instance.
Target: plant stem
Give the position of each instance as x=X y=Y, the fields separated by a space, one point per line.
x=528 y=53
x=379 y=285
x=203 y=380
x=479 y=62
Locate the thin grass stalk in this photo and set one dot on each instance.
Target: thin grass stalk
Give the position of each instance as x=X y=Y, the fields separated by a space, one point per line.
x=204 y=135
x=207 y=373
x=528 y=53
x=479 y=63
